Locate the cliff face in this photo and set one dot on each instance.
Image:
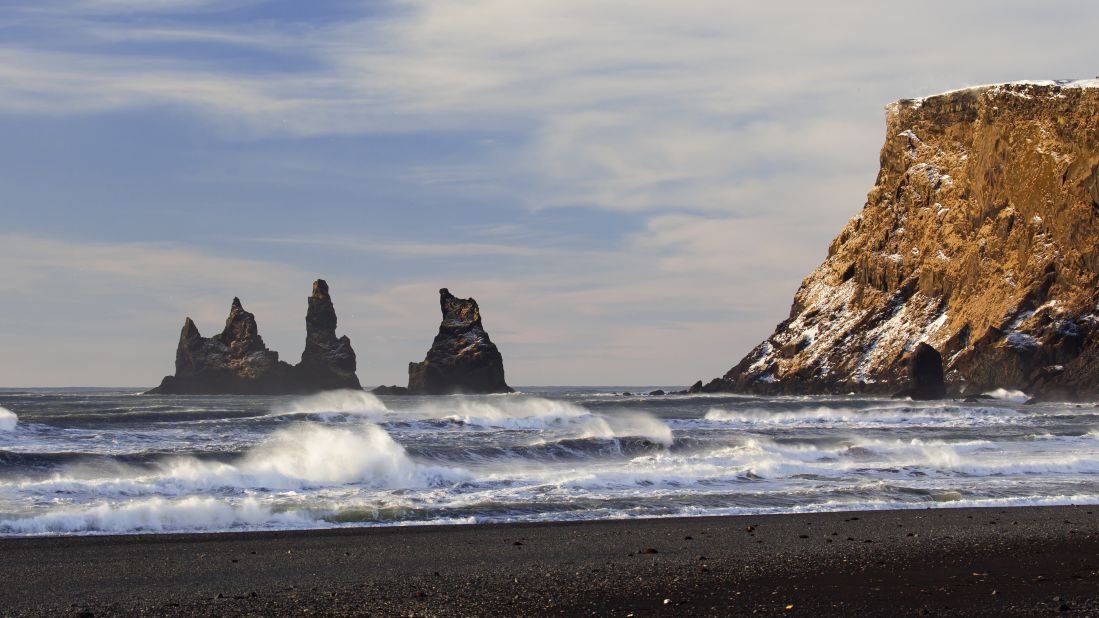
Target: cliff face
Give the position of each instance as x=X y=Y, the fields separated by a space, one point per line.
x=462 y=358
x=980 y=238
x=238 y=362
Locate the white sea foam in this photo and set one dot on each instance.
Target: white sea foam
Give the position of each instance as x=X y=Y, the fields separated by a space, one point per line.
x=303 y=456
x=329 y=462
x=1009 y=395
x=763 y=459
x=881 y=416
x=534 y=413
x=8 y=419
x=193 y=513
x=342 y=402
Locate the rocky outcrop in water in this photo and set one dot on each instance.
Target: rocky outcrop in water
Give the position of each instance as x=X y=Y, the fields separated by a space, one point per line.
x=328 y=362
x=237 y=361
x=462 y=359
x=980 y=238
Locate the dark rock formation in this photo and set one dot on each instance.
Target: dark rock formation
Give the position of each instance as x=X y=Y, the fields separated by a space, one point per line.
x=235 y=361
x=327 y=362
x=390 y=390
x=462 y=359
x=926 y=374
x=238 y=362
x=980 y=238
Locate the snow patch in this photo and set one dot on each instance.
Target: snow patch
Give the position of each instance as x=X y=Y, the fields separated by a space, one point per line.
x=998 y=89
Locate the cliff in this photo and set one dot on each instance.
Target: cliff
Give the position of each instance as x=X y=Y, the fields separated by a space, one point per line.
x=462 y=358
x=979 y=238
x=236 y=361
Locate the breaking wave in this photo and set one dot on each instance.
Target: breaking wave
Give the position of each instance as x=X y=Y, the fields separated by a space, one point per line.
x=89 y=463
x=300 y=457
x=8 y=419
x=884 y=416
x=341 y=402
x=190 y=514
x=568 y=420
x=1006 y=395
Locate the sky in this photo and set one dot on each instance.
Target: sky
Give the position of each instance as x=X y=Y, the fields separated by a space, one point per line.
x=631 y=189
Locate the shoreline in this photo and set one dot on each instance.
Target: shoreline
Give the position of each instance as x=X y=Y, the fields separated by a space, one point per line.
x=952 y=561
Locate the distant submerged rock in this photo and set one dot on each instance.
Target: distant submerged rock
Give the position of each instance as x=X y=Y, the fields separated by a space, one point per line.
x=980 y=238
x=236 y=361
x=462 y=359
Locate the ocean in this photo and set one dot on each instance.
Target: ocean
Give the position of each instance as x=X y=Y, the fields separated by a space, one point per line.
x=112 y=461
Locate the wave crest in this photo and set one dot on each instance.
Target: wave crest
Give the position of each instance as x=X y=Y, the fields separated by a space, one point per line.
x=299 y=457
x=8 y=419
x=344 y=402
x=191 y=514
x=574 y=421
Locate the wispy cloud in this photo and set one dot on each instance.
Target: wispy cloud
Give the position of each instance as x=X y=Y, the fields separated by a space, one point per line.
x=713 y=147
x=416 y=249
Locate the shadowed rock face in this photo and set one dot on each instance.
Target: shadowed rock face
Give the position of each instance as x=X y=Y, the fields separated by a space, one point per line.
x=926 y=374
x=238 y=362
x=328 y=362
x=462 y=359
x=979 y=238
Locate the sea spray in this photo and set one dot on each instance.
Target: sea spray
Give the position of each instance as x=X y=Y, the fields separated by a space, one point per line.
x=299 y=457
x=1009 y=395
x=312 y=454
x=339 y=402
x=887 y=416
x=567 y=420
x=190 y=514
x=102 y=461
x=8 y=419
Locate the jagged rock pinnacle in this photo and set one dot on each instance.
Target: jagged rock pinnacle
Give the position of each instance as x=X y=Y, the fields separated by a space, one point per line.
x=462 y=358
x=327 y=360
x=237 y=361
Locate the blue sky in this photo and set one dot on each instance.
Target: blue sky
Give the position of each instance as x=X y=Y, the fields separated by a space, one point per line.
x=631 y=189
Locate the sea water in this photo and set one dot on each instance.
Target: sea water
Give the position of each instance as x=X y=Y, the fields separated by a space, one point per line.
x=113 y=461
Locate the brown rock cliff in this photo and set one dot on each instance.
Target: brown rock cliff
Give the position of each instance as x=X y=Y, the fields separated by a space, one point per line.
x=979 y=238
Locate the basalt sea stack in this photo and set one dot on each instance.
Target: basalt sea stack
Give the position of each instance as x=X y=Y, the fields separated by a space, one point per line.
x=980 y=239
x=236 y=361
x=328 y=362
x=462 y=359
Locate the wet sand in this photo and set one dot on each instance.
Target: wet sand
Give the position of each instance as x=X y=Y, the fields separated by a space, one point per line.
x=993 y=561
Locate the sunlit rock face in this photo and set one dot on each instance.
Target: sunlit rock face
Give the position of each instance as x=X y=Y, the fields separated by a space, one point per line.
x=237 y=361
x=979 y=238
x=462 y=358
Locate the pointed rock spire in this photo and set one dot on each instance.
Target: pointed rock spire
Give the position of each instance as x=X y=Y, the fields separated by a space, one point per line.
x=327 y=361
x=236 y=361
x=241 y=331
x=462 y=359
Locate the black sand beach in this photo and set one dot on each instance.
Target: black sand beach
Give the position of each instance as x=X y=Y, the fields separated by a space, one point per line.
x=991 y=561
